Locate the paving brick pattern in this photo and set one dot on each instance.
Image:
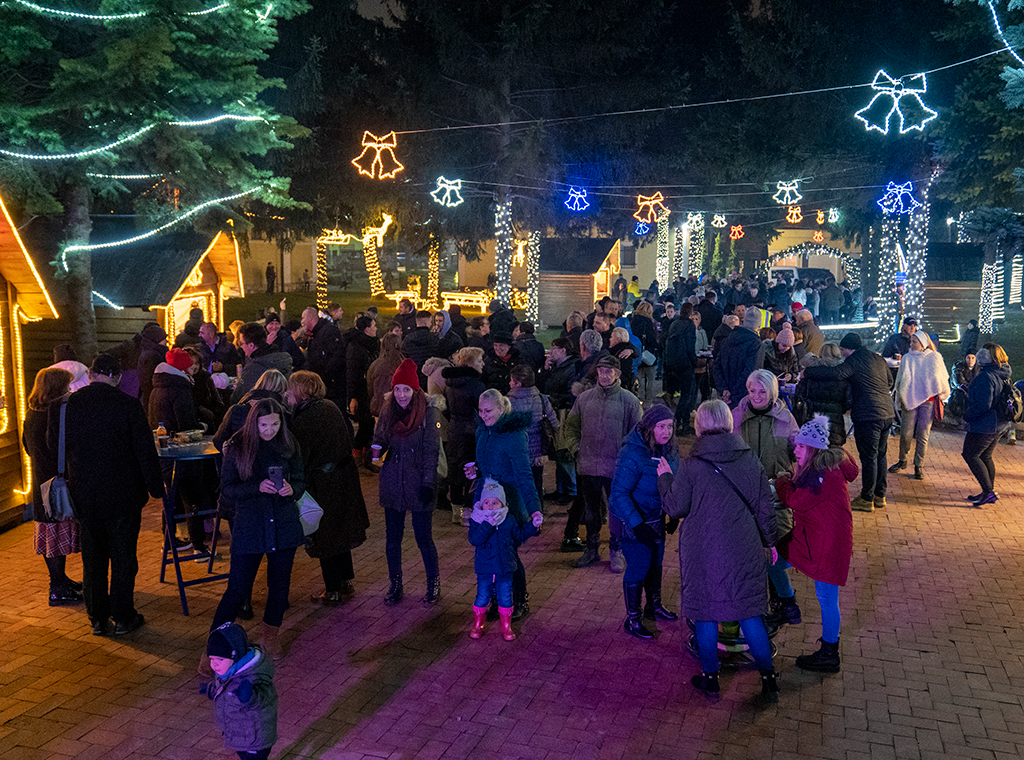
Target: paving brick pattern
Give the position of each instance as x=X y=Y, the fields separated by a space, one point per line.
x=931 y=652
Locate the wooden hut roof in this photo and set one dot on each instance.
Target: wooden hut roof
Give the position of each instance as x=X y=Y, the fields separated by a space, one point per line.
x=17 y=268
x=574 y=255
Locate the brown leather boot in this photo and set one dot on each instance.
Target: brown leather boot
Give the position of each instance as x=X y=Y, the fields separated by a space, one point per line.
x=270 y=643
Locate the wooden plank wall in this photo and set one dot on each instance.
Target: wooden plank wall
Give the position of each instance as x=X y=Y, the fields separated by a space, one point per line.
x=559 y=294
x=950 y=303
x=11 y=504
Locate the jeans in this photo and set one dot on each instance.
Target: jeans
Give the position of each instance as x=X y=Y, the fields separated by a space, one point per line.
x=978 y=448
x=640 y=559
x=646 y=377
x=872 y=437
x=422 y=527
x=336 y=570
x=596 y=489
x=827 y=593
x=916 y=424
x=753 y=632
x=565 y=477
x=112 y=540
x=242 y=575
x=488 y=584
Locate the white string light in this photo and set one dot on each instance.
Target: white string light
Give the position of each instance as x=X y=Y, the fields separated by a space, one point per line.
x=503 y=251
x=679 y=253
x=888 y=307
x=107 y=301
x=917 y=253
x=1016 y=278
x=151 y=233
x=999 y=31
x=988 y=284
x=113 y=17
x=533 y=277
x=695 y=254
x=128 y=138
x=662 y=264
x=999 y=290
x=122 y=176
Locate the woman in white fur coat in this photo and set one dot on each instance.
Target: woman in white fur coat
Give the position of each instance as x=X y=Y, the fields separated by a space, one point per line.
x=921 y=378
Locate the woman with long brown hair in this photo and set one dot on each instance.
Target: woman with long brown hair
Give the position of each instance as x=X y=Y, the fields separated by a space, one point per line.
x=54 y=540
x=262 y=476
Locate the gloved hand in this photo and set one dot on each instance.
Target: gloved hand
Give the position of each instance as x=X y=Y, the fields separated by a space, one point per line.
x=672 y=525
x=426 y=494
x=646 y=535
x=243 y=692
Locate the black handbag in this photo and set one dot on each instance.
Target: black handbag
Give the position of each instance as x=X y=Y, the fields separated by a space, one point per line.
x=54 y=492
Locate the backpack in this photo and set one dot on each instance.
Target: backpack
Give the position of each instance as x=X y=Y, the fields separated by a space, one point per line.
x=1010 y=404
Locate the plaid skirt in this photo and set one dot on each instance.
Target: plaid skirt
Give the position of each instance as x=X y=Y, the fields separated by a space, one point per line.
x=58 y=539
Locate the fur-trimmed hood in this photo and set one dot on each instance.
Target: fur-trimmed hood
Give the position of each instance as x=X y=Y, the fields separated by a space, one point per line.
x=512 y=422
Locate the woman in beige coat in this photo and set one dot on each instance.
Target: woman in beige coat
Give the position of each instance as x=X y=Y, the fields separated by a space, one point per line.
x=921 y=382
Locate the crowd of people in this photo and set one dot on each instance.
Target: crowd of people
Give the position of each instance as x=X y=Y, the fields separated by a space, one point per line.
x=460 y=415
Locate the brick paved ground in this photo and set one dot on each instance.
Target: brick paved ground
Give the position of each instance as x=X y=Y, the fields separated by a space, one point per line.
x=931 y=655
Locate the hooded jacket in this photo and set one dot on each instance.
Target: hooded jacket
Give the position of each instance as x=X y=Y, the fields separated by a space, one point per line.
x=250 y=725
x=982 y=394
x=496 y=545
x=634 y=496
x=599 y=422
x=722 y=563
x=263 y=358
x=170 y=401
x=450 y=339
x=741 y=353
x=556 y=383
x=767 y=434
x=502 y=454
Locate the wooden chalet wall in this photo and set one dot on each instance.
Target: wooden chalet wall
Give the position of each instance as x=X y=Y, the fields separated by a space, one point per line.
x=11 y=504
x=560 y=293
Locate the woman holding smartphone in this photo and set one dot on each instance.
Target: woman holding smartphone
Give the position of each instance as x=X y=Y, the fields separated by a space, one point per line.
x=262 y=476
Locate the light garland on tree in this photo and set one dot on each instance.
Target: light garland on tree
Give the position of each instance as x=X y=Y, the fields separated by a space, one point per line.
x=695 y=253
x=118 y=16
x=1016 y=278
x=503 y=250
x=377 y=161
x=898 y=199
x=962 y=233
x=736 y=232
x=795 y=215
x=372 y=239
x=123 y=176
x=718 y=221
x=655 y=205
x=888 y=265
x=128 y=138
x=448 y=192
x=999 y=31
x=850 y=264
x=917 y=253
x=577 y=200
x=661 y=269
x=533 y=277
x=433 y=272
x=679 y=252
x=897 y=96
x=999 y=289
x=988 y=286
x=787 y=193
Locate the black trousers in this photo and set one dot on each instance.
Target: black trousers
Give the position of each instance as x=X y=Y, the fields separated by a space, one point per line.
x=336 y=570
x=687 y=383
x=872 y=437
x=363 y=418
x=596 y=490
x=978 y=448
x=112 y=541
x=241 y=577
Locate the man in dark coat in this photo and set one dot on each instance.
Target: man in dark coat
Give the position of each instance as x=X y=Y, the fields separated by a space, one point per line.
x=710 y=313
x=555 y=381
x=498 y=362
x=898 y=345
x=112 y=470
x=360 y=352
x=406 y=316
x=531 y=350
x=152 y=348
x=871 y=411
x=741 y=353
x=324 y=353
x=681 y=366
x=219 y=353
x=831 y=302
x=421 y=344
x=271 y=274
x=501 y=319
x=259 y=357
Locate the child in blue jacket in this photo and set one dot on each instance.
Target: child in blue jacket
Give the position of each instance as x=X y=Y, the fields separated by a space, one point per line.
x=495 y=539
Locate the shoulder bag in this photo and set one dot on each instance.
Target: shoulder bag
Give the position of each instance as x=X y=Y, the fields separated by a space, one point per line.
x=54 y=492
x=750 y=507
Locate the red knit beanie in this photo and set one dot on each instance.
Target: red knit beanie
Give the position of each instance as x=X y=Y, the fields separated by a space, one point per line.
x=406 y=374
x=179 y=359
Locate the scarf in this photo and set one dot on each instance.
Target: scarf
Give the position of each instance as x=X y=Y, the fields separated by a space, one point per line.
x=404 y=422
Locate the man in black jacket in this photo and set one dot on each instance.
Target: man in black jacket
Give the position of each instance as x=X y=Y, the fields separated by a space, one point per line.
x=219 y=353
x=680 y=366
x=872 y=413
x=112 y=470
x=360 y=352
x=555 y=382
x=324 y=353
x=421 y=344
x=531 y=350
x=710 y=313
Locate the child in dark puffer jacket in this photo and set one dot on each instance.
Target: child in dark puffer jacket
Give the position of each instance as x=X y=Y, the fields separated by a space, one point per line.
x=243 y=693
x=495 y=539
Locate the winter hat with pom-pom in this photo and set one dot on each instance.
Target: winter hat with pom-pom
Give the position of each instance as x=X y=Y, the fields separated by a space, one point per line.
x=406 y=374
x=752 y=320
x=179 y=358
x=785 y=339
x=814 y=433
x=492 y=489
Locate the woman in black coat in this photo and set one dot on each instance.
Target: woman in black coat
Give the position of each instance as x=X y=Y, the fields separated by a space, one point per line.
x=332 y=478
x=263 y=475
x=361 y=351
x=830 y=397
x=463 y=386
x=54 y=540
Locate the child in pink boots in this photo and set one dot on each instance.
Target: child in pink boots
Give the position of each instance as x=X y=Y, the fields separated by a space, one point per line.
x=495 y=538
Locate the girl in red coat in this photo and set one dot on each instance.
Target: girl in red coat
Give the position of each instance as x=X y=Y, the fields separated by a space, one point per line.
x=821 y=543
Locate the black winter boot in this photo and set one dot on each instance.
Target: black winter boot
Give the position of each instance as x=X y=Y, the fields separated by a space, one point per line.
x=652 y=586
x=707 y=684
x=784 y=612
x=769 y=686
x=492 y=610
x=590 y=556
x=634 y=624
x=520 y=605
x=433 y=595
x=395 y=591
x=825 y=660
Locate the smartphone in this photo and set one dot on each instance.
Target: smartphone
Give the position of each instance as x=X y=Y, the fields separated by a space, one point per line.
x=276 y=474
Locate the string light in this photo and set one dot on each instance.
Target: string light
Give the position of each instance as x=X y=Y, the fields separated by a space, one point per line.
x=679 y=252
x=787 y=193
x=127 y=138
x=988 y=287
x=917 y=253
x=448 y=192
x=795 y=215
x=999 y=289
x=107 y=301
x=661 y=267
x=20 y=398
x=577 y=200
x=897 y=96
x=123 y=176
x=821 y=216
x=898 y=199
x=533 y=277
x=695 y=254
x=433 y=272
x=642 y=228
x=718 y=221
x=888 y=266
x=817 y=237
x=963 y=235
x=120 y=16
x=736 y=232
x=503 y=250
x=655 y=205
x=373 y=238
x=999 y=31
x=833 y=215
x=151 y=233
x=850 y=264
x=378 y=157
x=520 y=255
x=1016 y=278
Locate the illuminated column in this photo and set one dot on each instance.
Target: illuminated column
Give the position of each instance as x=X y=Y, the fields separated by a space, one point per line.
x=662 y=263
x=503 y=251
x=372 y=266
x=917 y=254
x=999 y=289
x=682 y=233
x=321 y=275
x=433 y=272
x=1016 y=279
x=888 y=265
x=533 y=277
x=695 y=253
x=988 y=286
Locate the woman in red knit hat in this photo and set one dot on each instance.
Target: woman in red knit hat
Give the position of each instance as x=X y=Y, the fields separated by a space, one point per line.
x=408 y=434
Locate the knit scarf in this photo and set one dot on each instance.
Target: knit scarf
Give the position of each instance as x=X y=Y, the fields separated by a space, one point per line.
x=404 y=422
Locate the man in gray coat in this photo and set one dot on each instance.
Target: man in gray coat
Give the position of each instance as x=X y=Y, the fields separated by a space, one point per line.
x=599 y=422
